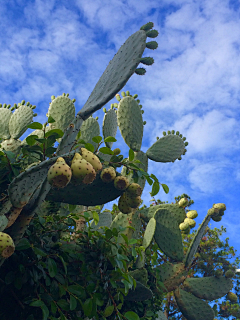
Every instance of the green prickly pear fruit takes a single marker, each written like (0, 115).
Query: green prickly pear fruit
(218, 273)
(108, 174)
(232, 297)
(59, 174)
(121, 183)
(184, 226)
(183, 202)
(91, 158)
(82, 171)
(229, 274)
(133, 202)
(217, 218)
(7, 246)
(134, 190)
(192, 214)
(190, 222)
(213, 211)
(123, 206)
(116, 151)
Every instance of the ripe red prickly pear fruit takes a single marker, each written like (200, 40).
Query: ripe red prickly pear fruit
(134, 190)
(123, 206)
(82, 171)
(59, 174)
(91, 158)
(121, 183)
(7, 246)
(108, 174)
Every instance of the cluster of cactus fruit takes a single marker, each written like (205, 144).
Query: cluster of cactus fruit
(80, 173)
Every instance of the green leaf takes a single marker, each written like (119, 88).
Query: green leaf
(165, 188)
(108, 311)
(155, 188)
(154, 177)
(109, 234)
(53, 307)
(97, 139)
(64, 264)
(72, 207)
(77, 290)
(87, 307)
(125, 238)
(37, 303)
(50, 151)
(106, 150)
(52, 267)
(31, 140)
(56, 132)
(63, 304)
(110, 139)
(23, 244)
(39, 252)
(95, 217)
(130, 315)
(131, 155)
(73, 303)
(40, 140)
(89, 147)
(50, 119)
(35, 125)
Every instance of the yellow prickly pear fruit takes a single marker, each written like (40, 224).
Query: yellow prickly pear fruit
(7, 246)
(190, 222)
(59, 174)
(77, 156)
(91, 158)
(221, 207)
(108, 174)
(82, 171)
(121, 183)
(183, 202)
(123, 206)
(184, 226)
(116, 151)
(192, 214)
(133, 202)
(134, 190)
(232, 297)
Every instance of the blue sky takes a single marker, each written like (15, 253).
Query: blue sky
(51, 47)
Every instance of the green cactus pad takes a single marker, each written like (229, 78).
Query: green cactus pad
(140, 293)
(12, 145)
(109, 127)
(161, 315)
(3, 222)
(191, 307)
(5, 115)
(167, 235)
(130, 122)
(172, 275)
(89, 129)
(141, 156)
(196, 240)
(149, 233)
(208, 288)
(141, 259)
(62, 110)
(105, 220)
(140, 275)
(166, 149)
(20, 120)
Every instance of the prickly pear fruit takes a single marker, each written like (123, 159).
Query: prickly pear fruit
(221, 207)
(218, 273)
(184, 226)
(116, 151)
(7, 246)
(229, 274)
(82, 171)
(232, 297)
(59, 174)
(134, 190)
(91, 158)
(121, 183)
(183, 202)
(133, 202)
(192, 214)
(108, 174)
(123, 206)
(217, 218)
(190, 222)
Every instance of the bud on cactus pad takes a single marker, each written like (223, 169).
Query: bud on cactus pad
(82, 170)
(192, 214)
(123, 206)
(183, 202)
(91, 158)
(232, 297)
(134, 190)
(229, 274)
(121, 183)
(7, 246)
(59, 174)
(108, 174)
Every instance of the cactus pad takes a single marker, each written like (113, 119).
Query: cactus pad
(149, 233)
(89, 129)
(109, 127)
(20, 120)
(172, 275)
(5, 115)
